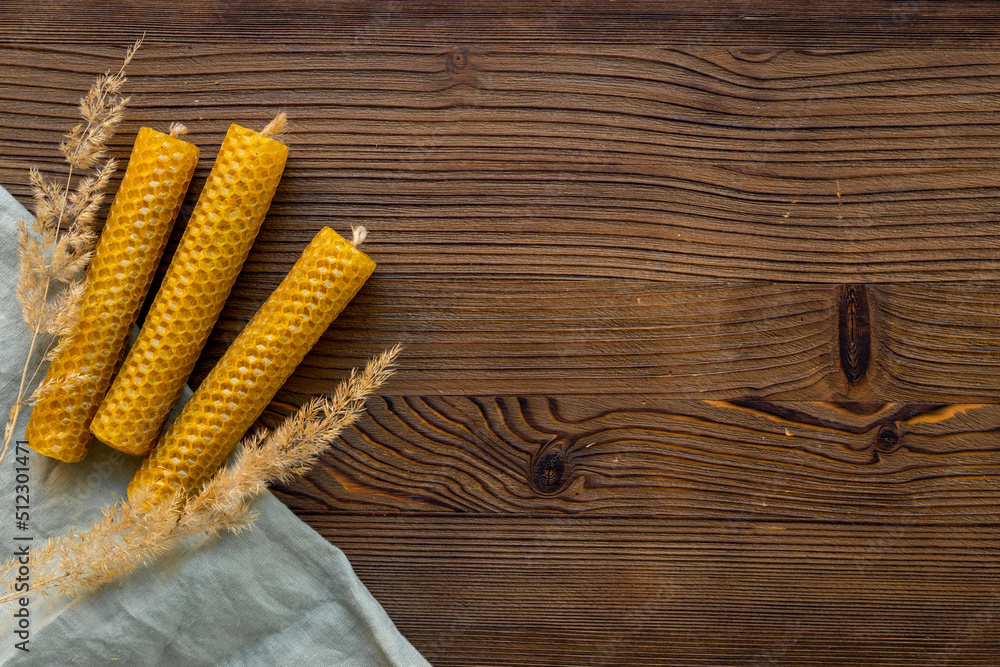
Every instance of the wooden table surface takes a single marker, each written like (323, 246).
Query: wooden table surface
(699, 301)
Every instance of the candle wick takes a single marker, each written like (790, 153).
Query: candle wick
(360, 234)
(276, 126)
(176, 129)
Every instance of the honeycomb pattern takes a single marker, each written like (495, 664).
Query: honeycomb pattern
(211, 253)
(324, 279)
(138, 225)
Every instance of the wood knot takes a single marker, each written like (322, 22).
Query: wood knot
(457, 60)
(549, 470)
(855, 332)
(887, 439)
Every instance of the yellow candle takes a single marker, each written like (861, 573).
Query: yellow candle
(324, 279)
(211, 253)
(132, 241)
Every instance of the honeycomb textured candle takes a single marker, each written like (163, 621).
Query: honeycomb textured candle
(211, 253)
(132, 241)
(324, 279)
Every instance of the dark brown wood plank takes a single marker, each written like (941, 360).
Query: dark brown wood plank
(562, 337)
(834, 24)
(598, 455)
(542, 590)
(571, 163)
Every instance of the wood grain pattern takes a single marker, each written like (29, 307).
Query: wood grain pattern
(596, 455)
(627, 162)
(545, 590)
(926, 343)
(699, 304)
(558, 337)
(940, 333)
(823, 23)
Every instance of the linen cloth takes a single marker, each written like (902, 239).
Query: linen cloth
(279, 594)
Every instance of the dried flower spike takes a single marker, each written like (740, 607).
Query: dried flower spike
(211, 253)
(102, 109)
(118, 278)
(325, 278)
(48, 286)
(291, 449)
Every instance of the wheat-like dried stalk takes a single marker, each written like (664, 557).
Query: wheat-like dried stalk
(289, 450)
(55, 248)
(118, 543)
(127, 537)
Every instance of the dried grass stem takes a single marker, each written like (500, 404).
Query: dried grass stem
(55, 248)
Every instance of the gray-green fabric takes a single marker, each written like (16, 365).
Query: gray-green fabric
(279, 594)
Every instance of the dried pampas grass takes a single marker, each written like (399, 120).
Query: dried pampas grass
(55, 248)
(291, 449)
(135, 532)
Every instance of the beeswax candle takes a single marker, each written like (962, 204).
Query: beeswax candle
(211, 253)
(324, 279)
(132, 241)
